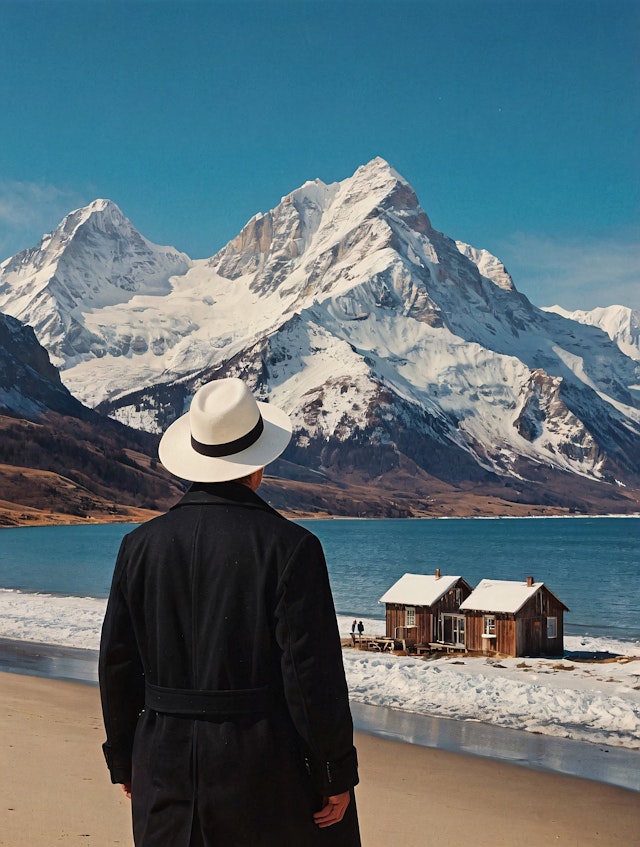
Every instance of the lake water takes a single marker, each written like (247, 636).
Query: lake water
(591, 564)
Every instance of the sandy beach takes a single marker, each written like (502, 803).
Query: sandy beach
(56, 790)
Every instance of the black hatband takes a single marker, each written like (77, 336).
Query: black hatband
(230, 447)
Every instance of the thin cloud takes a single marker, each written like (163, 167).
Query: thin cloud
(575, 274)
(29, 209)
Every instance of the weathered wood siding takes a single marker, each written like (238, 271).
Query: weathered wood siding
(523, 634)
(450, 602)
(532, 637)
(505, 634)
(473, 631)
(397, 623)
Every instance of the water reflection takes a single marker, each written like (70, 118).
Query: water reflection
(613, 765)
(49, 660)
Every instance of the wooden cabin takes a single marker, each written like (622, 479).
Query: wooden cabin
(423, 609)
(514, 619)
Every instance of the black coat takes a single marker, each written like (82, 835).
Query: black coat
(222, 594)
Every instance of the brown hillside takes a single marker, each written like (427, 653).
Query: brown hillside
(64, 470)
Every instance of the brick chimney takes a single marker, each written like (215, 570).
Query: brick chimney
(437, 573)
(529, 582)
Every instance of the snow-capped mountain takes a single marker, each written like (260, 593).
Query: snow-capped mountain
(395, 348)
(621, 324)
(94, 259)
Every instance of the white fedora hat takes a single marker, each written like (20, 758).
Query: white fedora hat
(226, 434)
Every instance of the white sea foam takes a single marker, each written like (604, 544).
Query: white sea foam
(590, 701)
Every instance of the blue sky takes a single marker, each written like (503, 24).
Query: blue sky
(516, 121)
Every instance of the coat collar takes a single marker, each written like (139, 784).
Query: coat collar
(221, 493)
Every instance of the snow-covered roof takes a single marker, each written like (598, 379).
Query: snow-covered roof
(419, 589)
(499, 595)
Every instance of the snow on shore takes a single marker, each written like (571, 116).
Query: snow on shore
(589, 701)
(51, 619)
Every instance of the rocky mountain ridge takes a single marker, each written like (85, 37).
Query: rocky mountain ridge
(621, 324)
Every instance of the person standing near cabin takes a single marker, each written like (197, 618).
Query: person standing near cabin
(353, 628)
(223, 691)
(360, 628)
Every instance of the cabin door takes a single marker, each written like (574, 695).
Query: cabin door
(458, 630)
(536, 647)
(451, 630)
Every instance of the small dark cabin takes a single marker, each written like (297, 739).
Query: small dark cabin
(514, 619)
(423, 609)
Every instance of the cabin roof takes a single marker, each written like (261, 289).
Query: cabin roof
(418, 589)
(499, 595)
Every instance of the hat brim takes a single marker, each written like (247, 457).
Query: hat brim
(179, 458)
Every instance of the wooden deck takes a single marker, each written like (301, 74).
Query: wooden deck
(379, 643)
(449, 648)
(384, 644)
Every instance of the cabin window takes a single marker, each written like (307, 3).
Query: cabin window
(489, 625)
(410, 616)
(552, 627)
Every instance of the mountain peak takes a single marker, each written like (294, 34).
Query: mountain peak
(377, 173)
(380, 185)
(378, 165)
(375, 179)
(103, 213)
(328, 220)
(101, 204)
(93, 259)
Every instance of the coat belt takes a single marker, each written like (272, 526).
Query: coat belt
(181, 701)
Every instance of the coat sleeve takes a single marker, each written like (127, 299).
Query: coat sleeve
(121, 676)
(314, 682)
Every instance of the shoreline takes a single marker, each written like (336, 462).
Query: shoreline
(56, 787)
(53, 519)
(605, 764)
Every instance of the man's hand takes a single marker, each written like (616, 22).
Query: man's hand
(333, 810)
(126, 787)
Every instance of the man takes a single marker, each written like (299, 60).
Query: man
(223, 690)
